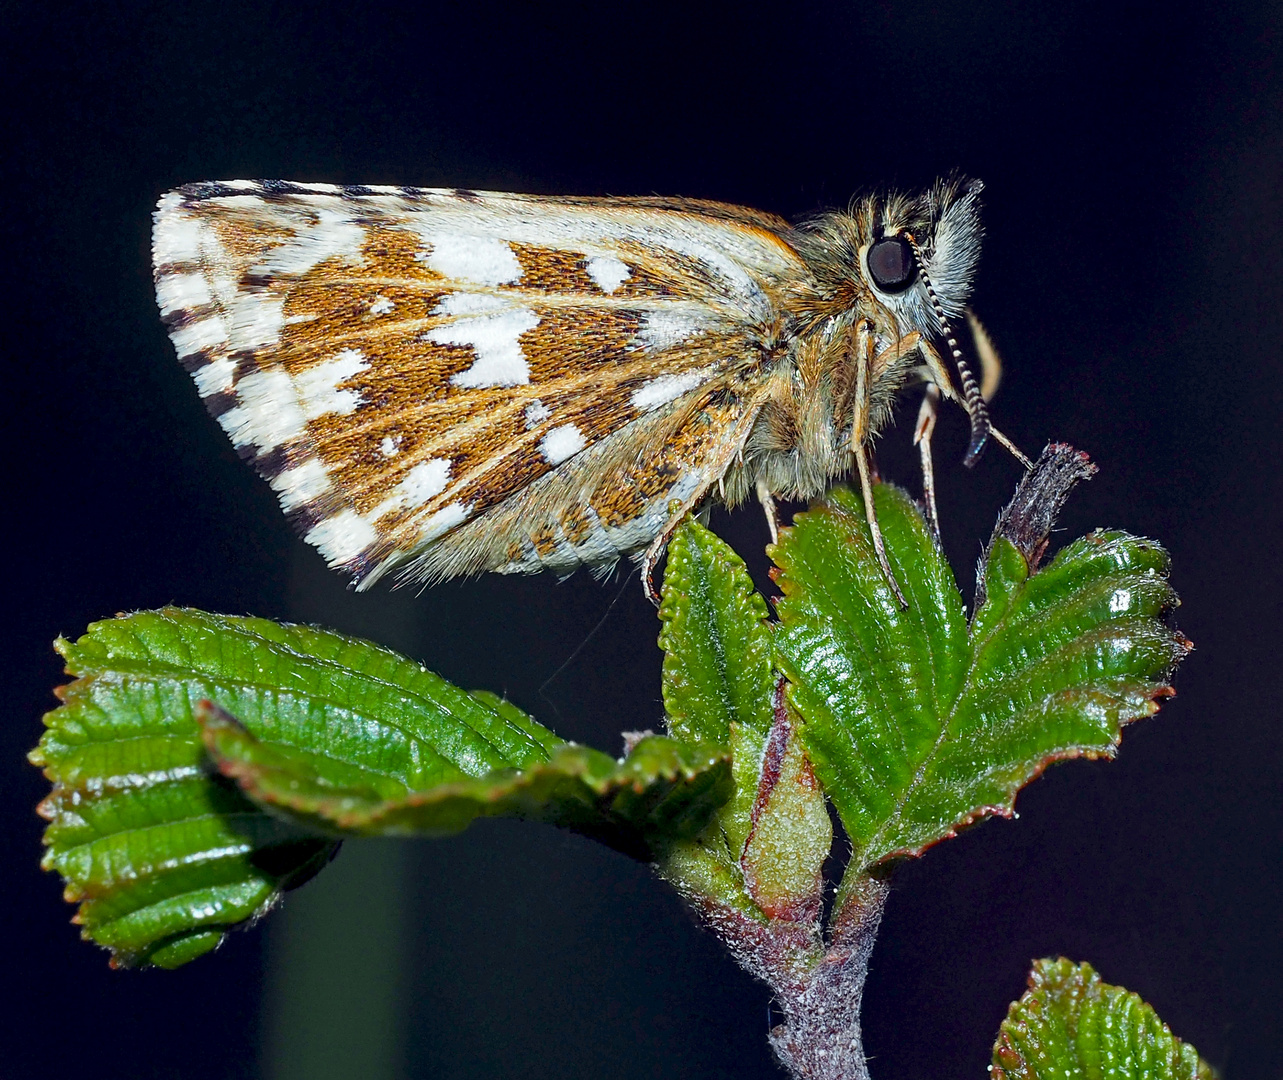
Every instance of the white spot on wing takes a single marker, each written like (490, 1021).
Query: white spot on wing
(215, 377)
(318, 386)
(561, 443)
(182, 292)
(667, 327)
(381, 305)
(737, 258)
(469, 303)
(666, 388)
(176, 237)
(272, 408)
(257, 318)
(500, 361)
(333, 235)
(267, 413)
(342, 537)
(424, 482)
(301, 485)
(390, 445)
(485, 260)
(199, 335)
(721, 259)
(607, 272)
(444, 520)
(536, 413)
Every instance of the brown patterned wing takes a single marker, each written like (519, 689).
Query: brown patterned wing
(452, 382)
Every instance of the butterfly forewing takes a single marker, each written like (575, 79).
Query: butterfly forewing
(472, 381)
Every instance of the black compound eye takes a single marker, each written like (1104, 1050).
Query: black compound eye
(892, 265)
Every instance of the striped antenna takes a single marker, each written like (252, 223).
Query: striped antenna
(974, 401)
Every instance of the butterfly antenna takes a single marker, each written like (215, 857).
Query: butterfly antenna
(972, 398)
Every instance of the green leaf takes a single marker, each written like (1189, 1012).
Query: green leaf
(917, 724)
(1071, 1026)
(162, 856)
(717, 651)
(717, 687)
(662, 791)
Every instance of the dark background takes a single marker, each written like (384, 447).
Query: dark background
(1131, 278)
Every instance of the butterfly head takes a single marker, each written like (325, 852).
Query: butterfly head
(914, 247)
(906, 263)
(918, 261)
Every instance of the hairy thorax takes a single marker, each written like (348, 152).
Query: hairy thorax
(803, 436)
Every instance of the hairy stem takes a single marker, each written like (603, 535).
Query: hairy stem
(820, 1037)
(818, 985)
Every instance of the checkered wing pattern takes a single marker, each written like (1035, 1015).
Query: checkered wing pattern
(445, 381)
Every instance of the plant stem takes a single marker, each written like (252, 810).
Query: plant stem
(820, 1037)
(818, 985)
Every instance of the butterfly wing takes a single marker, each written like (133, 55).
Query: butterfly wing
(460, 381)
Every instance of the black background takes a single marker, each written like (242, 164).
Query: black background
(1133, 156)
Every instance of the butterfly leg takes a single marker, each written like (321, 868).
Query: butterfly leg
(767, 500)
(990, 361)
(859, 447)
(922, 433)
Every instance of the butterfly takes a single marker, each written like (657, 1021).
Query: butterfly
(440, 382)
